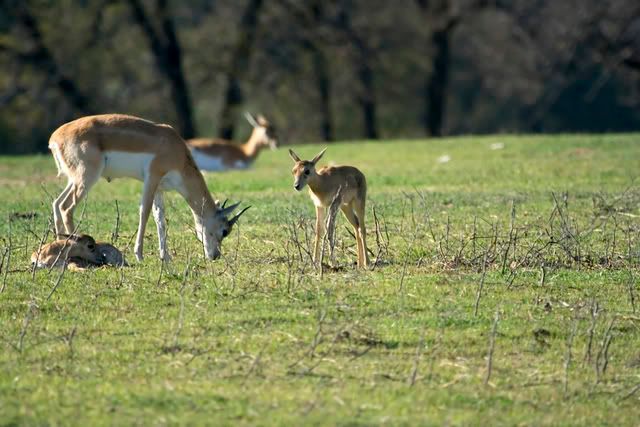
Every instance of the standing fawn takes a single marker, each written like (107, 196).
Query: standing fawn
(212, 154)
(67, 250)
(117, 145)
(324, 185)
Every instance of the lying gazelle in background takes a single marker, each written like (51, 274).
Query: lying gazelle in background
(220, 155)
(78, 251)
(324, 185)
(68, 249)
(116, 145)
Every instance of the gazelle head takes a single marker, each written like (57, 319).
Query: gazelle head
(216, 228)
(264, 133)
(304, 170)
(82, 246)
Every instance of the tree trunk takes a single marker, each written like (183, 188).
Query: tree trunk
(168, 56)
(238, 69)
(436, 84)
(368, 100)
(323, 83)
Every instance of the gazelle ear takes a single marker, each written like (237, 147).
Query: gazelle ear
(294, 156)
(318, 156)
(252, 121)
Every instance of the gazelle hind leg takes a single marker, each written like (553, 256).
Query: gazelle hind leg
(349, 213)
(360, 212)
(57, 214)
(82, 178)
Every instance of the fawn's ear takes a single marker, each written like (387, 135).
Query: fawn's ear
(318, 156)
(294, 156)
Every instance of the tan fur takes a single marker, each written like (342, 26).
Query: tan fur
(323, 187)
(59, 252)
(232, 154)
(111, 256)
(80, 147)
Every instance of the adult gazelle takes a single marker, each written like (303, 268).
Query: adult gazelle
(115, 146)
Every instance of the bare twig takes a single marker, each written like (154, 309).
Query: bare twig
(492, 343)
(416, 361)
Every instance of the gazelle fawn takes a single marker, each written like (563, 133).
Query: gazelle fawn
(117, 145)
(324, 184)
(67, 249)
(211, 154)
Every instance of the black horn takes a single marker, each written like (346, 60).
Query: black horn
(236, 216)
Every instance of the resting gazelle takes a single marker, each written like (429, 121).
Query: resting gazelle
(324, 184)
(117, 145)
(212, 154)
(68, 249)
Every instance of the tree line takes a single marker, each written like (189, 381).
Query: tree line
(322, 70)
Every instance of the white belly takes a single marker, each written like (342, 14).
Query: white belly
(122, 164)
(207, 163)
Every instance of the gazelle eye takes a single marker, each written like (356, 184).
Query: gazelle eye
(225, 233)
(306, 171)
(91, 247)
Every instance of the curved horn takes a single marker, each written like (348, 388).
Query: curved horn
(235, 218)
(252, 121)
(224, 203)
(224, 211)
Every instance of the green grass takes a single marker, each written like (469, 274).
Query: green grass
(260, 338)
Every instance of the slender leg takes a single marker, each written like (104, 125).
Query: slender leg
(57, 214)
(360, 210)
(353, 220)
(320, 229)
(148, 193)
(161, 225)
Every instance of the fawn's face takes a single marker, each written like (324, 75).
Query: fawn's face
(303, 170)
(84, 247)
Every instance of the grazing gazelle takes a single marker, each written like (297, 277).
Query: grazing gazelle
(324, 184)
(116, 145)
(221, 155)
(67, 250)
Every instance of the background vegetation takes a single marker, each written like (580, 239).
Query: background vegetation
(321, 69)
(505, 289)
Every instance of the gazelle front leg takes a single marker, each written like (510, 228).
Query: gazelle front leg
(161, 225)
(320, 229)
(148, 193)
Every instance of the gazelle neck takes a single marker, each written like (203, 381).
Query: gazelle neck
(196, 192)
(252, 147)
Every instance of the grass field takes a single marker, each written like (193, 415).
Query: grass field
(505, 293)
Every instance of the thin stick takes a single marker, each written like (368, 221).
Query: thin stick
(6, 268)
(492, 343)
(481, 284)
(567, 357)
(416, 361)
(45, 235)
(116, 229)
